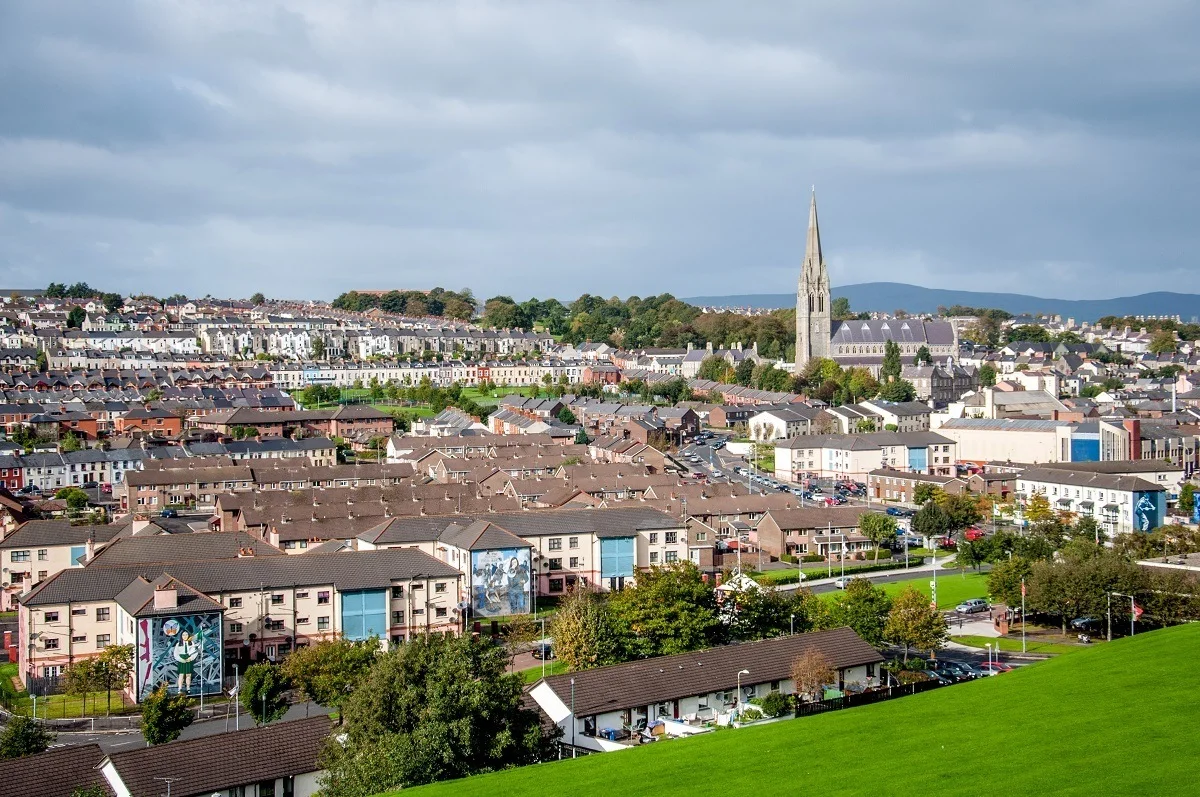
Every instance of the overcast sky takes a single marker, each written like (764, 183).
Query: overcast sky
(306, 148)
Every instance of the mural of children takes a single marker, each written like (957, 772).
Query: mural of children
(518, 586)
(186, 654)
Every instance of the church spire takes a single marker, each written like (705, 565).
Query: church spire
(812, 249)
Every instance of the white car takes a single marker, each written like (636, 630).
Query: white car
(717, 473)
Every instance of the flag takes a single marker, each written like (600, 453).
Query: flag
(1137, 612)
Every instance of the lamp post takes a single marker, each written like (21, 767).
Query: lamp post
(544, 647)
(739, 687)
(988, 645)
(792, 625)
(1022, 615)
(573, 718)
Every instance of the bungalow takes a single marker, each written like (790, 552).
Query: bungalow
(811, 530)
(607, 708)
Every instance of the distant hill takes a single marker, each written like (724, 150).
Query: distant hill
(889, 296)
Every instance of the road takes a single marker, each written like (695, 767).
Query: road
(129, 740)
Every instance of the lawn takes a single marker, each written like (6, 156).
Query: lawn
(1013, 645)
(1113, 719)
(952, 589)
(534, 674)
(492, 398)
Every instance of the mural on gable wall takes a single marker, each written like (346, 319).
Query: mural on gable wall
(500, 582)
(183, 651)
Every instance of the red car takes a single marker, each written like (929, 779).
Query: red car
(974, 534)
(994, 667)
(946, 543)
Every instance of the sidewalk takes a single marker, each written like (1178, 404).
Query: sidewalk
(912, 572)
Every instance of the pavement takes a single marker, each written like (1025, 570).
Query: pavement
(877, 577)
(116, 741)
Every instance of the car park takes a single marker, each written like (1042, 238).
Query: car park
(934, 675)
(960, 671)
(972, 606)
(168, 513)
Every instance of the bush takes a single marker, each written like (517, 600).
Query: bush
(775, 704)
(751, 714)
(813, 557)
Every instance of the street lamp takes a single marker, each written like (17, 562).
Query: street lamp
(792, 625)
(573, 718)
(739, 686)
(988, 645)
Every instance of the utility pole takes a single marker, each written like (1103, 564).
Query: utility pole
(168, 781)
(1022, 615)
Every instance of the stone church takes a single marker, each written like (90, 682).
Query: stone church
(855, 343)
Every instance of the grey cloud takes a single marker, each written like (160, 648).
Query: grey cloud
(307, 147)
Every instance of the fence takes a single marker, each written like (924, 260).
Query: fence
(863, 698)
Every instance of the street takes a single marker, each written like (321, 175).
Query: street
(127, 740)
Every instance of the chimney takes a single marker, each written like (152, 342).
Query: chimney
(246, 552)
(166, 596)
(90, 547)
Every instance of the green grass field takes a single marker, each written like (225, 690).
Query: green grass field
(1114, 719)
(1013, 645)
(952, 589)
(492, 398)
(534, 674)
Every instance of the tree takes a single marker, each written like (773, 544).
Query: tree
(891, 362)
(77, 499)
(164, 716)
(264, 692)
(1038, 510)
(713, 368)
(962, 509)
(566, 416)
(80, 677)
(23, 736)
(878, 528)
(839, 308)
(914, 622)
(931, 521)
(318, 347)
(581, 438)
(435, 708)
(923, 356)
(1004, 582)
(987, 375)
(761, 612)
(114, 665)
(1187, 498)
(258, 299)
(1028, 333)
(42, 363)
(864, 608)
(1163, 342)
(329, 671)
(811, 672)
(75, 318)
(583, 632)
(744, 372)
(113, 302)
(924, 492)
(671, 610)
(897, 391)
(68, 443)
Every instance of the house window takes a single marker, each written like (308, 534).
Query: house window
(572, 542)
(322, 623)
(556, 585)
(398, 617)
(42, 575)
(103, 641)
(397, 593)
(276, 598)
(322, 597)
(18, 556)
(672, 537)
(50, 644)
(301, 595)
(266, 789)
(701, 536)
(102, 614)
(235, 603)
(235, 628)
(79, 637)
(654, 557)
(439, 587)
(418, 612)
(439, 611)
(51, 617)
(555, 544)
(78, 612)
(43, 554)
(672, 556)
(556, 564)
(574, 562)
(654, 538)
(274, 625)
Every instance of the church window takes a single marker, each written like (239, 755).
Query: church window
(820, 304)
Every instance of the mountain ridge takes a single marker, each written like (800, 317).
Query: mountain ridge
(890, 296)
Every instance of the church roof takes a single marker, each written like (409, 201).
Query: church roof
(901, 330)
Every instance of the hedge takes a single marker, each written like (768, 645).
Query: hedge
(775, 577)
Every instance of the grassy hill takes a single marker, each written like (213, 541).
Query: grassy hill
(1119, 719)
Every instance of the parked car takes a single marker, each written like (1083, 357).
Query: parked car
(168, 513)
(964, 672)
(994, 667)
(844, 581)
(934, 675)
(718, 445)
(1086, 623)
(717, 474)
(974, 534)
(90, 485)
(952, 674)
(895, 511)
(972, 606)
(106, 487)
(946, 543)
(543, 649)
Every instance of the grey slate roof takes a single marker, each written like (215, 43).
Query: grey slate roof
(656, 680)
(138, 598)
(54, 773)
(47, 533)
(180, 548)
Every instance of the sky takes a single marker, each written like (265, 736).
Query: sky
(305, 148)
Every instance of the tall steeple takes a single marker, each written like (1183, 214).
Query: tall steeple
(813, 319)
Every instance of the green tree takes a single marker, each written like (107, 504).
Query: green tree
(258, 299)
(713, 368)
(1004, 582)
(329, 671)
(80, 679)
(839, 308)
(925, 492)
(68, 443)
(581, 438)
(435, 708)
(23, 736)
(1163, 342)
(566, 416)
(77, 499)
(987, 375)
(1038, 510)
(744, 373)
(42, 364)
(891, 362)
(164, 716)
(931, 521)
(264, 692)
(760, 613)
(318, 347)
(913, 622)
(923, 356)
(672, 609)
(878, 528)
(1187, 498)
(864, 608)
(75, 318)
(113, 302)
(1029, 333)
(583, 632)
(962, 509)
(114, 665)
(898, 390)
